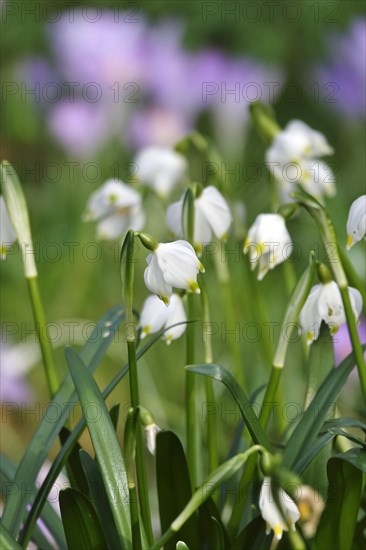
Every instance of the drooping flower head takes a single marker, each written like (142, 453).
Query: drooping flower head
(270, 512)
(212, 215)
(324, 303)
(293, 158)
(117, 208)
(356, 223)
(172, 265)
(155, 315)
(268, 243)
(160, 168)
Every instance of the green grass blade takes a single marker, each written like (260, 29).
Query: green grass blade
(100, 500)
(81, 524)
(250, 418)
(174, 488)
(64, 453)
(7, 542)
(47, 432)
(312, 421)
(49, 516)
(105, 444)
(338, 521)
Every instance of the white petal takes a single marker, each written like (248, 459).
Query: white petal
(356, 222)
(154, 315)
(112, 227)
(174, 217)
(160, 168)
(317, 141)
(216, 211)
(179, 264)
(317, 178)
(176, 314)
(330, 305)
(356, 301)
(154, 279)
(310, 318)
(7, 231)
(111, 196)
(202, 228)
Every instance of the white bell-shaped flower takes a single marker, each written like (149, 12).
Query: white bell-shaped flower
(155, 315)
(324, 303)
(117, 208)
(356, 222)
(172, 265)
(211, 216)
(7, 231)
(270, 512)
(268, 243)
(293, 157)
(160, 168)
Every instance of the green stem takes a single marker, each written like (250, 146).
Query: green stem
(356, 345)
(296, 540)
(223, 276)
(41, 328)
(191, 401)
(213, 459)
(270, 395)
(352, 275)
(129, 453)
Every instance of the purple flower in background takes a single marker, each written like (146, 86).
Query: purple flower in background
(16, 361)
(156, 125)
(37, 77)
(346, 70)
(342, 343)
(80, 127)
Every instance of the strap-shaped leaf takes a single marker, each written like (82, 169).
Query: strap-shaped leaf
(174, 488)
(47, 432)
(306, 431)
(250, 418)
(105, 444)
(81, 523)
(338, 521)
(100, 500)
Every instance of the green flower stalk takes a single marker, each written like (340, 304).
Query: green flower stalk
(127, 277)
(329, 238)
(18, 213)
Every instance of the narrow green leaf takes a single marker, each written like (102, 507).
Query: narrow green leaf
(47, 432)
(64, 453)
(105, 444)
(252, 537)
(114, 414)
(338, 521)
(181, 545)
(356, 457)
(251, 420)
(7, 542)
(208, 487)
(174, 488)
(211, 526)
(81, 524)
(48, 516)
(75, 470)
(100, 500)
(310, 424)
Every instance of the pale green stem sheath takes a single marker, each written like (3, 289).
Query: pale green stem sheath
(127, 276)
(223, 276)
(326, 228)
(213, 459)
(41, 328)
(212, 482)
(192, 423)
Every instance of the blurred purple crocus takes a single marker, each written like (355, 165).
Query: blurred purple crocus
(346, 70)
(342, 343)
(16, 361)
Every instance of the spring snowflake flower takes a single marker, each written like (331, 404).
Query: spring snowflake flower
(160, 168)
(293, 157)
(270, 512)
(212, 215)
(117, 208)
(324, 303)
(268, 243)
(155, 315)
(7, 231)
(172, 265)
(356, 223)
